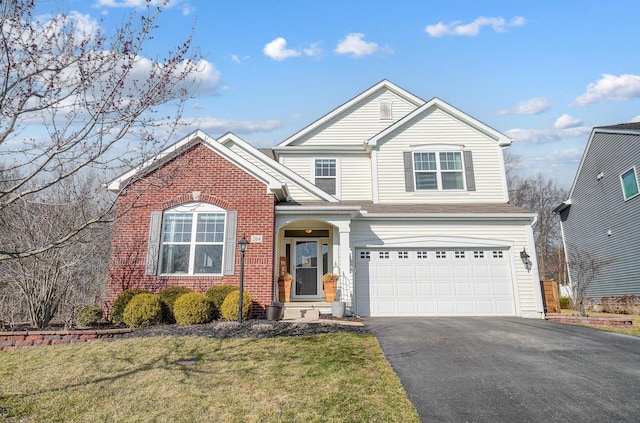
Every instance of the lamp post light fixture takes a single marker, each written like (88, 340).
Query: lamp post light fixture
(243, 244)
(525, 259)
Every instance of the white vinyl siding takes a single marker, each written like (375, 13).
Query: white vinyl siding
(439, 128)
(360, 123)
(442, 236)
(354, 174)
(296, 191)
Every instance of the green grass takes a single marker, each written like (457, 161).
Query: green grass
(636, 321)
(324, 378)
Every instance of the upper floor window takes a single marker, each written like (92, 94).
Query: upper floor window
(385, 110)
(438, 170)
(629, 182)
(325, 171)
(193, 239)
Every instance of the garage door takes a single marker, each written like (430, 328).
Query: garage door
(413, 282)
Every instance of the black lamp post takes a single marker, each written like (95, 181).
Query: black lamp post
(243, 244)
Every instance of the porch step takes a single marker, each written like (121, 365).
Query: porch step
(305, 310)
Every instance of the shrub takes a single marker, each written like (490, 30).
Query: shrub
(229, 308)
(117, 310)
(193, 309)
(565, 303)
(90, 316)
(217, 295)
(143, 310)
(168, 298)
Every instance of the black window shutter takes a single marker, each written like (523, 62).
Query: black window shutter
(155, 229)
(408, 171)
(230, 243)
(468, 171)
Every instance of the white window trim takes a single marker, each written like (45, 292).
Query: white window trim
(194, 208)
(437, 149)
(635, 174)
(338, 193)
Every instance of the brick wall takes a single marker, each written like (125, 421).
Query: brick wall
(217, 181)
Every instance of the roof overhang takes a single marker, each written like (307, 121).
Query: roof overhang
(499, 137)
(273, 185)
(563, 206)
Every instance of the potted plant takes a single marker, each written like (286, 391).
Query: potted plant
(330, 286)
(284, 287)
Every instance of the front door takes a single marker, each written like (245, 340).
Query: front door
(306, 270)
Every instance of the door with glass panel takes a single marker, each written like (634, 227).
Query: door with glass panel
(306, 270)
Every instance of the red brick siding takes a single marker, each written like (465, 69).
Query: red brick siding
(199, 169)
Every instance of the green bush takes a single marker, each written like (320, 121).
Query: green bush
(117, 310)
(565, 303)
(193, 309)
(217, 294)
(168, 298)
(143, 310)
(90, 316)
(229, 308)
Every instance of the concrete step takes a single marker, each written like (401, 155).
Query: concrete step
(306, 310)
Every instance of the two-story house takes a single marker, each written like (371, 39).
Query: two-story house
(405, 199)
(600, 219)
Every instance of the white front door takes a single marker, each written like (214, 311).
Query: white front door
(308, 264)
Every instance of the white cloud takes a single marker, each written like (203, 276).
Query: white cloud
(314, 50)
(635, 119)
(539, 136)
(137, 4)
(236, 126)
(472, 29)
(277, 50)
(532, 106)
(354, 44)
(610, 87)
(567, 121)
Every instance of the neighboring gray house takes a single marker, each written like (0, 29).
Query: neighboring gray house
(602, 214)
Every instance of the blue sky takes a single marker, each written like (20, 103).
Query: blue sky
(543, 72)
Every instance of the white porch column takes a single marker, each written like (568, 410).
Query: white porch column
(346, 275)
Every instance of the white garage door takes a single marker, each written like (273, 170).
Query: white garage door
(412, 282)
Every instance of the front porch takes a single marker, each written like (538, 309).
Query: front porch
(309, 244)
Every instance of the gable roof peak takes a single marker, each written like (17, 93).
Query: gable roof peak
(384, 84)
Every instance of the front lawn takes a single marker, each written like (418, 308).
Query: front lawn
(334, 377)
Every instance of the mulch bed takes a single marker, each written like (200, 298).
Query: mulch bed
(247, 329)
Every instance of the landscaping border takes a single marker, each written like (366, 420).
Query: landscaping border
(20, 339)
(603, 321)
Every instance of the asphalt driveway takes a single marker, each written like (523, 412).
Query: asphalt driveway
(478, 369)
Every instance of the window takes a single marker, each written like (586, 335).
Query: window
(441, 254)
(383, 255)
(326, 175)
(438, 170)
(497, 254)
(629, 183)
(365, 255)
(422, 254)
(193, 239)
(459, 254)
(403, 254)
(478, 254)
